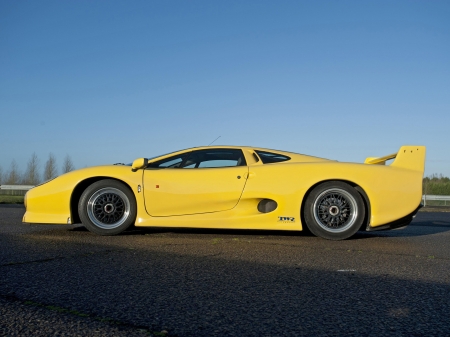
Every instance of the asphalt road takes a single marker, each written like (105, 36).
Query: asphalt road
(65, 281)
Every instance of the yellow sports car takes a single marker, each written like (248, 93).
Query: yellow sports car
(236, 187)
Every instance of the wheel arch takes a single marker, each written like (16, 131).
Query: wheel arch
(78, 191)
(358, 188)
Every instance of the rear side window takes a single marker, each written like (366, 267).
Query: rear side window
(270, 157)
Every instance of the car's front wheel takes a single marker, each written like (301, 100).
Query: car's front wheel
(107, 207)
(334, 210)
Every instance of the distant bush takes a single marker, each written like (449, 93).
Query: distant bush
(436, 185)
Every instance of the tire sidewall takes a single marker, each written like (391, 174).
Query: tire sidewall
(91, 190)
(318, 230)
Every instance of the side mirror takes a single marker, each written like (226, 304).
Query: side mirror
(138, 164)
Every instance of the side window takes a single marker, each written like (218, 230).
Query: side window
(215, 158)
(202, 159)
(269, 157)
(171, 162)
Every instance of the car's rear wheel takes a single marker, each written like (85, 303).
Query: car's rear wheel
(334, 210)
(107, 207)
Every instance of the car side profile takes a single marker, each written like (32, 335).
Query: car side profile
(238, 187)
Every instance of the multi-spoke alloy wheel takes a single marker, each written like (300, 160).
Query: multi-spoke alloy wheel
(334, 210)
(107, 207)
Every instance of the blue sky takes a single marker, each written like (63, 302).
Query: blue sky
(110, 81)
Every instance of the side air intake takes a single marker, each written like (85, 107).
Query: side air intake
(267, 205)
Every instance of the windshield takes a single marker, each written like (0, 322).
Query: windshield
(162, 155)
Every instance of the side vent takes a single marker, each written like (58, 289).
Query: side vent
(267, 205)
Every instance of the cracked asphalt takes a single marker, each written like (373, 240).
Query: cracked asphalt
(64, 281)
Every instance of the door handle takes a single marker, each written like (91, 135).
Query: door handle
(251, 175)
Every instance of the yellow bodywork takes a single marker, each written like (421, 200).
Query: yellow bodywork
(216, 198)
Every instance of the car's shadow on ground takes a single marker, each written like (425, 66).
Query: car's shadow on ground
(180, 230)
(416, 228)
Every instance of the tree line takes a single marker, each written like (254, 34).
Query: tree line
(436, 184)
(33, 174)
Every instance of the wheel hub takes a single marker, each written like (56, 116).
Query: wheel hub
(334, 210)
(109, 208)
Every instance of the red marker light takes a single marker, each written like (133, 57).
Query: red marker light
(157, 186)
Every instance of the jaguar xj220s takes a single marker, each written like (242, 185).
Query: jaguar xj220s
(239, 188)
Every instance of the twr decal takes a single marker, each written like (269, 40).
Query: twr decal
(286, 219)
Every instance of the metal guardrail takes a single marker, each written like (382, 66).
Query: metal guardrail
(14, 189)
(429, 197)
(22, 189)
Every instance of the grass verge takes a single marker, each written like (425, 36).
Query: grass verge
(18, 199)
(11, 199)
(435, 209)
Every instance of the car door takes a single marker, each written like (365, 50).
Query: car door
(200, 181)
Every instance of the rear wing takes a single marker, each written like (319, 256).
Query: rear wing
(408, 157)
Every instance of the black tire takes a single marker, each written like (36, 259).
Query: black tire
(107, 207)
(334, 210)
